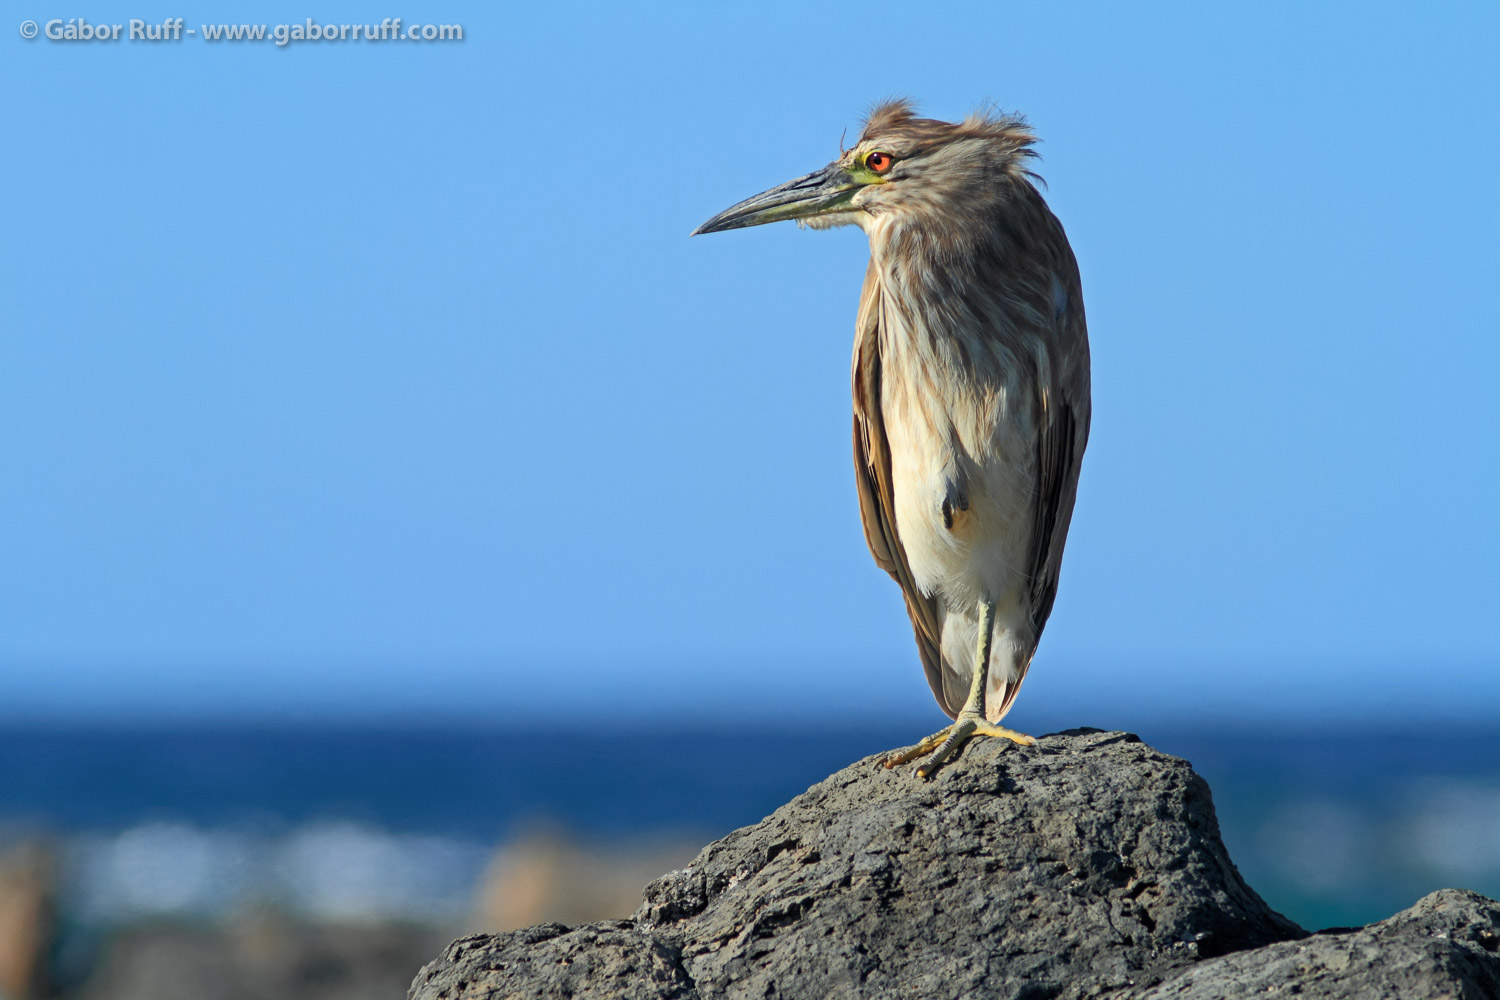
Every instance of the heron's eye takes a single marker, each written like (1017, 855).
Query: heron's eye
(879, 162)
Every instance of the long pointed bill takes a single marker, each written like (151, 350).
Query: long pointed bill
(819, 193)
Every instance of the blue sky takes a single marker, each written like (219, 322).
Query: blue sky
(383, 377)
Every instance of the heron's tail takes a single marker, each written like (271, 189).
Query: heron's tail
(1010, 656)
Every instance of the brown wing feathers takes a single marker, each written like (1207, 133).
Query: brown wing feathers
(877, 504)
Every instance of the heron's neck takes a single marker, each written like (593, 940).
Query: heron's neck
(984, 273)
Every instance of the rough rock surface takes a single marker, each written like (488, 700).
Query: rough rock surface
(1088, 865)
(1445, 946)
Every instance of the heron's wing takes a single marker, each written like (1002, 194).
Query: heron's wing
(1062, 414)
(877, 501)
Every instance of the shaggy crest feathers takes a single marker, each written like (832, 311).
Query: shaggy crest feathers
(897, 119)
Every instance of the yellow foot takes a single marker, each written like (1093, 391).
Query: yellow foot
(945, 743)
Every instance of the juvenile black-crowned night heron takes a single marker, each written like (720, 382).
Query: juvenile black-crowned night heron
(971, 391)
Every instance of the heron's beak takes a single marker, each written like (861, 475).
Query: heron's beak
(821, 192)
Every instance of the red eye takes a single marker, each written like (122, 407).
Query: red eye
(879, 162)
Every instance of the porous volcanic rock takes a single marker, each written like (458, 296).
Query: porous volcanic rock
(1445, 946)
(1086, 864)
(1089, 865)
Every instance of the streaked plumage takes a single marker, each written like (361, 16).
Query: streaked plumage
(970, 381)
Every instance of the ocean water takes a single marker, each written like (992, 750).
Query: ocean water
(1332, 827)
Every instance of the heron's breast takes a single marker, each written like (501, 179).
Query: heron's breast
(962, 488)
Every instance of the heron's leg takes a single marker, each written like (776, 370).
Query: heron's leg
(971, 722)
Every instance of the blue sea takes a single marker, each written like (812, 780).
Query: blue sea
(1332, 826)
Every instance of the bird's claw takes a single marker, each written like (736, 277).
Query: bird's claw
(943, 744)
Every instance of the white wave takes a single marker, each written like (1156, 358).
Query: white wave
(322, 870)
(1453, 828)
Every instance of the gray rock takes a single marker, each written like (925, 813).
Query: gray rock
(1086, 864)
(610, 958)
(1089, 865)
(1445, 946)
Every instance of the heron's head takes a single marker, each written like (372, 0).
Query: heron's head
(903, 169)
